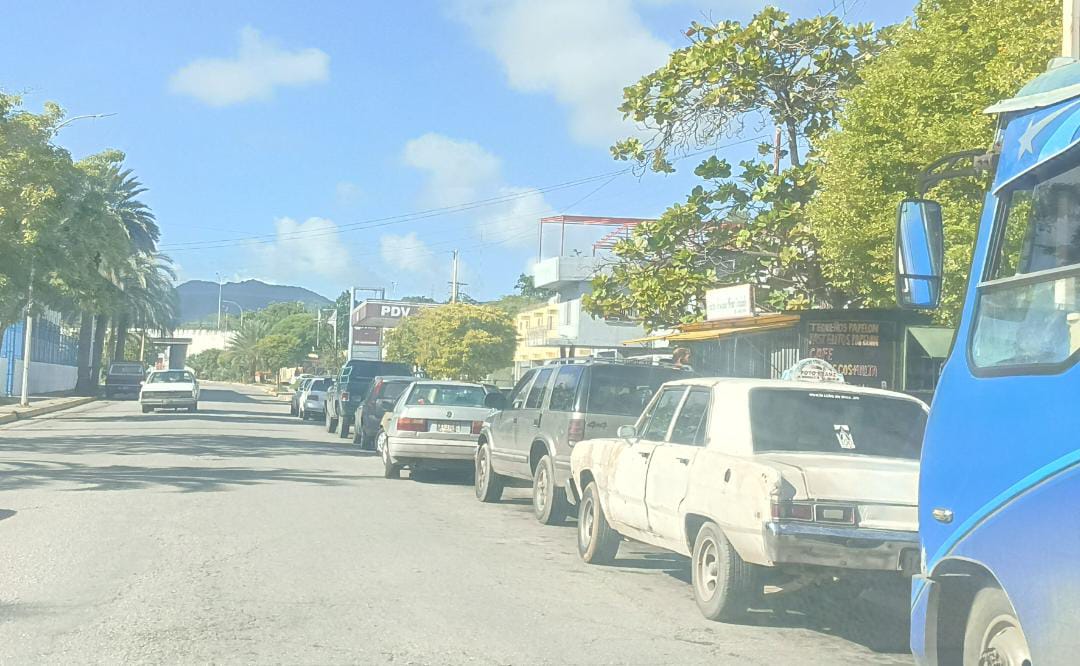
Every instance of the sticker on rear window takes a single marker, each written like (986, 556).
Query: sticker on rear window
(843, 435)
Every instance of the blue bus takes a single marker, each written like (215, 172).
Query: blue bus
(999, 495)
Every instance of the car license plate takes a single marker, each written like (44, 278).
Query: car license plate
(452, 428)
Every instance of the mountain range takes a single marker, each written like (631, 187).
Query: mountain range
(199, 298)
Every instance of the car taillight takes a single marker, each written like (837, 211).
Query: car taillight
(792, 511)
(576, 431)
(345, 396)
(412, 425)
(832, 513)
(477, 426)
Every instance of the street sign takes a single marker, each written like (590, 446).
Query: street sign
(729, 302)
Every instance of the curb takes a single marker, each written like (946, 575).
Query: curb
(30, 412)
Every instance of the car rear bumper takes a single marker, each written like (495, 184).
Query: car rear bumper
(404, 450)
(122, 388)
(168, 402)
(842, 547)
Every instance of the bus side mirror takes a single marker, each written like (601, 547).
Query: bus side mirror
(920, 252)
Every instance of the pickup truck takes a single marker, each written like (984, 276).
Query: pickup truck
(352, 386)
(124, 377)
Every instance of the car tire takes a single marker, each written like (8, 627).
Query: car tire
(597, 540)
(358, 431)
(192, 410)
(549, 500)
(343, 428)
(993, 630)
(147, 410)
(390, 469)
(331, 423)
(293, 411)
(724, 584)
(487, 483)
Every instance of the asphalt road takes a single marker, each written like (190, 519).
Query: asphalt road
(238, 534)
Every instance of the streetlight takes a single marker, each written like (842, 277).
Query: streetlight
(83, 117)
(238, 306)
(218, 300)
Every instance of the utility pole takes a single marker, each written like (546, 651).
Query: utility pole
(453, 279)
(1070, 29)
(27, 340)
(218, 300)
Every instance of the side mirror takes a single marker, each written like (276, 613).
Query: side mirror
(627, 431)
(496, 401)
(385, 404)
(920, 251)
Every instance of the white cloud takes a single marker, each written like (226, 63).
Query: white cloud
(460, 171)
(347, 193)
(408, 253)
(303, 250)
(582, 53)
(258, 68)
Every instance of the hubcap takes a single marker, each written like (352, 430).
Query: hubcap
(541, 489)
(708, 569)
(482, 468)
(585, 528)
(1004, 644)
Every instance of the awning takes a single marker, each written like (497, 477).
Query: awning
(714, 330)
(935, 340)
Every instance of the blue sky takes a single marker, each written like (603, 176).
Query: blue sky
(296, 142)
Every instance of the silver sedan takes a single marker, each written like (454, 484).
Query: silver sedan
(432, 422)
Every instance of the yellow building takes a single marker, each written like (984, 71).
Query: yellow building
(538, 340)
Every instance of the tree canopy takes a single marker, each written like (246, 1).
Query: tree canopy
(456, 341)
(920, 100)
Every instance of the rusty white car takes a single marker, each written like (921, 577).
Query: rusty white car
(760, 482)
(433, 423)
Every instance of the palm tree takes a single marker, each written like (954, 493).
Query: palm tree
(242, 347)
(149, 299)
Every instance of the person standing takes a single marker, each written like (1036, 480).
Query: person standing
(681, 358)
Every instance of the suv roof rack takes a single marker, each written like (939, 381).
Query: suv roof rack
(617, 361)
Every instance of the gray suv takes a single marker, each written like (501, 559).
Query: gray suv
(549, 410)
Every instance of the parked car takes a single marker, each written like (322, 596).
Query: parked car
(170, 389)
(124, 377)
(294, 402)
(434, 423)
(367, 419)
(313, 398)
(759, 482)
(551, 409)
(352, 386)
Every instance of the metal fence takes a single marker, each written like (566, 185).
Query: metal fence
(761, 355)
(49, 345)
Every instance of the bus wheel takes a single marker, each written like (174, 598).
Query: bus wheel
(993, 634)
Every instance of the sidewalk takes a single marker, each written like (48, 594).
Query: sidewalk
(46, 404)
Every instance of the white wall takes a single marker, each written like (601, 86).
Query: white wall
(44, 377)
(201, 340)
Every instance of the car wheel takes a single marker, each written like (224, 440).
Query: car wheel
(993, 634)
(302, 414)
(487, 483)
(390, 470)
(597, 541)
(343, 427)
(292, 410)
(723, 583)
(331, 423)
(147, 410)
(194, 409)
(549, 501)
(358, 432)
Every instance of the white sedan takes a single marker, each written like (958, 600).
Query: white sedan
(170, 389)
(432, 422)
(759, 482)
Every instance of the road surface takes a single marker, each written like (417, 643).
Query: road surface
(239, 534)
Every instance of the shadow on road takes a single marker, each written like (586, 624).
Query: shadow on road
(6, 513)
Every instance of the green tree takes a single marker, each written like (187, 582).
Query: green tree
(243, 347)
(276, 351)
(300, 326)
(458, 341)
(751, 227)
(921, 100)
(210, 364)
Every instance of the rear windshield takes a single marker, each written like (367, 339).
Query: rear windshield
(376, 368)
(320, 385)
(392, 390)
(447, 395)
(172, 377)
(828, 422)
(125, 369)
(625, 390)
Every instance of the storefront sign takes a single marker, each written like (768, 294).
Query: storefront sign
(729, 302)
(862, 351)
(383, 314)
(366, 335)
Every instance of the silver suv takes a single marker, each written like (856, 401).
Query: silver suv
(552, 408)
